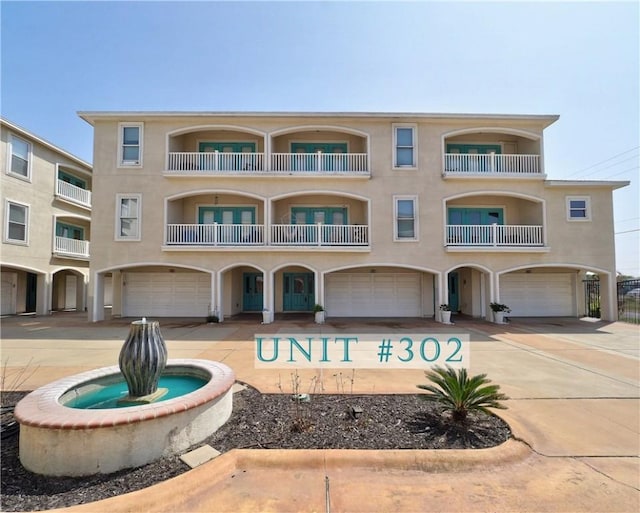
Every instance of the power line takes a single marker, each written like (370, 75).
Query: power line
(628, 231)
(611, 165)
(602, 161)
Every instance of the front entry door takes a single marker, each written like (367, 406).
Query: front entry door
(32, 291)
(298, 292)
(454, 292)
(252, 292)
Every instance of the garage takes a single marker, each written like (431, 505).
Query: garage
(373, 295)
(538, 294)
(166, 294)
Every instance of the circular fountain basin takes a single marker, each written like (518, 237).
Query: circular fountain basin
(59, 440)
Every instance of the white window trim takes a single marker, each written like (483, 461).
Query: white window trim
(5, 237)
(121, 162)
(119, 198)
(395, 127)
(10, 158)
(587, 204)
(415, 237)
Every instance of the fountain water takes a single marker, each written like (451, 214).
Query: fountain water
(84, 424)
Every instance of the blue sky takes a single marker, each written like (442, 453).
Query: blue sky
(576, 59)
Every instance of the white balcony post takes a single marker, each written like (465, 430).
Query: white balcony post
(494, 233)
(319, 233)
(216, 161)
(492, 162)
(215, 234)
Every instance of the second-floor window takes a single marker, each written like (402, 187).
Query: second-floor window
(404, 146)
(20, 164)
(17, 226)
(578, 208)
(130, 145)
(406, 219)
(128, 217)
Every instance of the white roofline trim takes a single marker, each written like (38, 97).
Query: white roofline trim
(44, 142)
(587, 183)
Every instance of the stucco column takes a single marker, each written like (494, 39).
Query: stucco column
(213, 298)
(217, 285)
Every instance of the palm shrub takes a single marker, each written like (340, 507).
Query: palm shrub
(460, 394)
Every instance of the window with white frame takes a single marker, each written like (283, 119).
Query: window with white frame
(130, 152)
(20, 155)
(404, 146)
(128, 213)
(17, 223)
(406, 218)
(578, 208)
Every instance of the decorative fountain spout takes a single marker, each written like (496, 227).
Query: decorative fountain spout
(84, 424)
(142, 359)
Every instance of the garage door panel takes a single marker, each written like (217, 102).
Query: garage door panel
(538, 294)
(167, 294)
(373, 295)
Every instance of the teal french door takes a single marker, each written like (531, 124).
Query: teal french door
(252, 288)
(453, 285)
(225, 163)
(473, 217)
(315, 215)
(306, 162)
(298, 292)
(73, 180)
(475, 149)
(69, 231)
(483, 216)
(226, 215)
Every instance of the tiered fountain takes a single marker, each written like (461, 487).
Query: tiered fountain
(115, 417)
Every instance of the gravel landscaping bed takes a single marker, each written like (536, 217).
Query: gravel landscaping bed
(267, 421)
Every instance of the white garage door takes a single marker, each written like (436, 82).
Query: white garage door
(538, 294)
(167, 294)
(373, 295)
(8, 287)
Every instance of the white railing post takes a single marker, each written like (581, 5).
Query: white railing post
(215, 234)
(494, 233)
(319, 232)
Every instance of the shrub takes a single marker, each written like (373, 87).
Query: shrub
(498, 307)
(445, 307)
(459, 394)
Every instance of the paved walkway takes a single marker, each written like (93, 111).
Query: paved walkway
(574, 410)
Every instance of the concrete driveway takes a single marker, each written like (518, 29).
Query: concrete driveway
(574, 410)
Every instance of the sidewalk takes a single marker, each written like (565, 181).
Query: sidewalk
(574, 411)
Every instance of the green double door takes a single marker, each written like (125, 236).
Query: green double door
(480, 164)
(309, 160)
(471, 217)
(226, 162)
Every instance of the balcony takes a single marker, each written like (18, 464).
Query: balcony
(460, 164)
(71, 248)
(288, 236)
(494, 237)
(73, 193)
(319, 163)
(321, 235)
(214, 163)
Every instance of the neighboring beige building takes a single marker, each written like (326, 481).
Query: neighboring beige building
(46, 224)
(368, 214)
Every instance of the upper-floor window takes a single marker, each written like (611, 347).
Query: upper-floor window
(404, 145)
(17, 222)
(128, 213)
(406, 219)
(130, 145)
(578, 208)
(20, 155)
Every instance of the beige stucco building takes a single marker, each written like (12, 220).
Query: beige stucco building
(46, 224)
(367, 214)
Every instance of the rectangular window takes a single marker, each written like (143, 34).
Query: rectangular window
(578, 208)
(128, 217)
(131, 145)
(17, 227)
(20, 155)
(404, 144)
(406, 219)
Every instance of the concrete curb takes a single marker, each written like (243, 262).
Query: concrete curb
(426, 460)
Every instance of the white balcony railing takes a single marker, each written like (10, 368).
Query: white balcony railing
(73, 193)
(71, 247)
(327, 163)
(215, 234)
(493, 235)
(492, 163)
(319, 235)
(215, 162)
